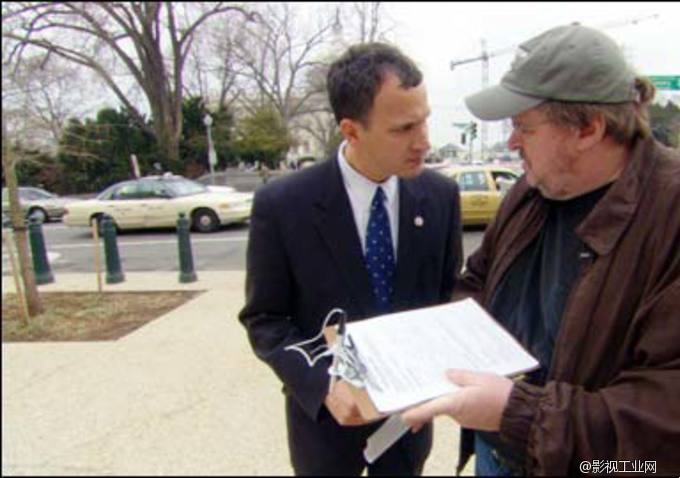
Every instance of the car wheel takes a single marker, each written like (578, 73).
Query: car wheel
(38, 213)
(205, 220)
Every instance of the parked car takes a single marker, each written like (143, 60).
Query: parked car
(38, 203)
(481, 190)
(156, 201)
(221, 189)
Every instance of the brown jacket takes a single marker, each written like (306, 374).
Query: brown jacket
(613, 390)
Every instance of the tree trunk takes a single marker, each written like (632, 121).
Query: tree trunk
(168, 143)
(167, 131)
(33, 301)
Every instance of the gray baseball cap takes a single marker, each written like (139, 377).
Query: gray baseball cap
(566, 63)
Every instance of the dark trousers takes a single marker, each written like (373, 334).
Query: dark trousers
(325, 448)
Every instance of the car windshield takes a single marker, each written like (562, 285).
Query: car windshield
(185, 187)
(35, 194)
(29, 194)
(106, 193)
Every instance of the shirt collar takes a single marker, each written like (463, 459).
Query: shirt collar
(362, 186)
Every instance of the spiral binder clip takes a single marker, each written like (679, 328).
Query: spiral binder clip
(345, 364)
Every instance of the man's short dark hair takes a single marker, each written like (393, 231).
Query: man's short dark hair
(354, 79)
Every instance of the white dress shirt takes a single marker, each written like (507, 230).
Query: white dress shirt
(361, 191)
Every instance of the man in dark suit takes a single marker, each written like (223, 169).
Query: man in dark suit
(325, 237)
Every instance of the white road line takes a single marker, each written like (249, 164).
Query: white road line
(150, 243)
(51, 257)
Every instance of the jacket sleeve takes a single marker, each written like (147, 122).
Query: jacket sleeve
(268, 312)
(453, 258)
(474, 282)
(473, 279)
(635, 417)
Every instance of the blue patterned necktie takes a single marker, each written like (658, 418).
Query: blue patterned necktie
(380, 253)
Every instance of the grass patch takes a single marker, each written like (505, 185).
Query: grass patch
(88, 316)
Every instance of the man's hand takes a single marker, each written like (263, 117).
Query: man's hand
(342, 405)
(478, 404)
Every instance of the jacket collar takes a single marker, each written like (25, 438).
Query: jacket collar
(335, 223)
(604, 226)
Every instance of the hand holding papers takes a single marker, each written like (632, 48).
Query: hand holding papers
(478, 404)
(406, 354)
(399, 360)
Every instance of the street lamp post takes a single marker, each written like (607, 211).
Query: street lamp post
(212, 156)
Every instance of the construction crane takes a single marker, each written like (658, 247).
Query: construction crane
(486, 55)
(484, 58)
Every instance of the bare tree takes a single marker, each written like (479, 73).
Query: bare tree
(10, 158)
(274, 56)
(43, 98)
(357, 22)
(135, 34)
(364, 22)
(228, 70)
(323, 129)
(369, 19)
(319, 123)
(212, 69)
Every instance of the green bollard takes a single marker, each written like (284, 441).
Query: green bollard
(186, 260)
(114, 273)
(41, 266)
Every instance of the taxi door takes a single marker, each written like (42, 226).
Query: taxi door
(479, 200)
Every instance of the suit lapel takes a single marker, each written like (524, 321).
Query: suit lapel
(411, 228)
(335, 222)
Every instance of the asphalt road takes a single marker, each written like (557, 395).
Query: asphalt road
(72, 250)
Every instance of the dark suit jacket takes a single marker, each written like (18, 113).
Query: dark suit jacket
(304, 258)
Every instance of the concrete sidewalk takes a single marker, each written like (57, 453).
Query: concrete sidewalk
(183, 395)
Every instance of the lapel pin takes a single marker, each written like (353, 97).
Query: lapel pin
(418, 221)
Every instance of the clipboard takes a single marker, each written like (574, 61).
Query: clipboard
(406, 353)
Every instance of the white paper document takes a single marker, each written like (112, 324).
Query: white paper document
(406, 354)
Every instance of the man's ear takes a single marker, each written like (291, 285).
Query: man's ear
(593, 133)
(350, 130)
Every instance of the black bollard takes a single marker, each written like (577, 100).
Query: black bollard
(114, 272)
(41, 266)
(186, 259)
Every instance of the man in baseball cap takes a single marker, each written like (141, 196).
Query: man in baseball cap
(572, 63)
(582, 267)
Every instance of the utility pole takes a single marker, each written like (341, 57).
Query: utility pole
(469, 133)
(473, 135)
(485, 81)
(484, 58)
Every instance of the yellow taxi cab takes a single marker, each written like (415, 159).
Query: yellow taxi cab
(482, 188)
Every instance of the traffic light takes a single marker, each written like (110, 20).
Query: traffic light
(473, 130)
(462, 138)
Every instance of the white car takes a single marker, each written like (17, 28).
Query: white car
(221, 189)
(157, 201)
(38, 203)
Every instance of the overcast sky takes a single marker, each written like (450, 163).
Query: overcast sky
(434, 34)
